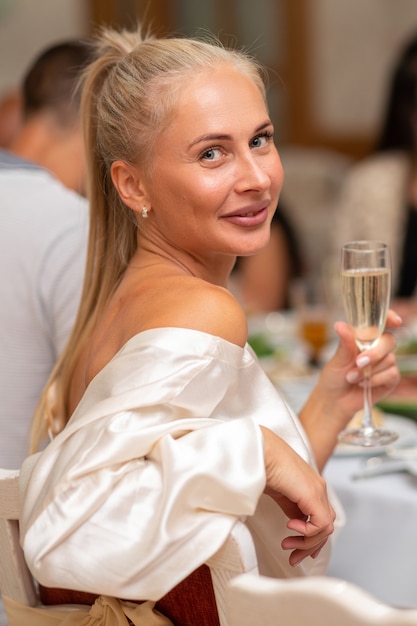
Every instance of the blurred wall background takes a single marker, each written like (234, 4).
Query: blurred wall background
(26, 26)
(329, 59)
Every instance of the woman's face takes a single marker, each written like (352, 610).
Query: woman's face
(216, 174)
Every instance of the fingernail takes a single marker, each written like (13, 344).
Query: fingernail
(352, 377)
(363, 361)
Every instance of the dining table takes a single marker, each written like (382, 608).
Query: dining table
(376, 548)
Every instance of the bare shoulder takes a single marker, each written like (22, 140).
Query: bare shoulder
(199, 305)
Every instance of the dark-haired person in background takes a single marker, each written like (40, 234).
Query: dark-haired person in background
(379, 196)
(262, 281)
(43, 238)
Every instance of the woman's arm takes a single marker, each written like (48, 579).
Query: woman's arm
(301, 493)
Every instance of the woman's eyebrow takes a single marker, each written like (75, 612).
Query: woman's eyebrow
(210, 137)
(226, 137)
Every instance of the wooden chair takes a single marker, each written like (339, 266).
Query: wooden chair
(236, 556)
(312, 601)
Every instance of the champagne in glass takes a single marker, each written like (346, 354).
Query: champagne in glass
(366, 287)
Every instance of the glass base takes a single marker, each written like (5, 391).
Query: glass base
(368, 436)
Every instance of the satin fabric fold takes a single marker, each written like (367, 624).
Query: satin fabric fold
(104, 612)
(160, 459)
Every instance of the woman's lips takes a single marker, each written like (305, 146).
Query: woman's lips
(249, 218)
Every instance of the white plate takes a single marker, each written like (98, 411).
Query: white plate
(406, 429)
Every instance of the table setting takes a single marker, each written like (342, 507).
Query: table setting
(377, 487)
(403, 401)
(373, 469)
(377, 547)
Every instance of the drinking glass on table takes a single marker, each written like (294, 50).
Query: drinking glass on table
(308, 300)
(366, 287)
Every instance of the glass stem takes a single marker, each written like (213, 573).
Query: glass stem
(367, 421)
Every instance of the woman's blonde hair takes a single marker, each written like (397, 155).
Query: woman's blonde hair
(129, 91)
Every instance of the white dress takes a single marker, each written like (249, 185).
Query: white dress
(159, 460)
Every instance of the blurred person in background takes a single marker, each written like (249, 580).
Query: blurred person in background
(261, 282)
(378, 199)
(43, 238)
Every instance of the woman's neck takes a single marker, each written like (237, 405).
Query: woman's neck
(215, 270)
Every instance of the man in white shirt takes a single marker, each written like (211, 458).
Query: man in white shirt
(43, 237)
(43, 240)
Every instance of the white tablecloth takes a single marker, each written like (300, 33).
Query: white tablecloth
(377, 549)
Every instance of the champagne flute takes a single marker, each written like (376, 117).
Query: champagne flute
(366, 286)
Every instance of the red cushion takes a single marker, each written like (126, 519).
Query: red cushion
(190, 603)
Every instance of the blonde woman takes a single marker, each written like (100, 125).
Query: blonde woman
(167, 431)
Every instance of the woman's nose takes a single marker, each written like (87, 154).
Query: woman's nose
(253, 174)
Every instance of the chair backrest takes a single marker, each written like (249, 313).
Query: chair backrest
(312, 601)
(235, 557)
(16, 581)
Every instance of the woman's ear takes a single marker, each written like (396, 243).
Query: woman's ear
(126, 178)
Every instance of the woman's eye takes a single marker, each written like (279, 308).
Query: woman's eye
(261, 140)
(212, 154)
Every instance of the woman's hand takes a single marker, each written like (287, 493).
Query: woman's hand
(343, 375)
(302, 495)
(338, 394)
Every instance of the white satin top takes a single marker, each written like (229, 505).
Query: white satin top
(159, 460)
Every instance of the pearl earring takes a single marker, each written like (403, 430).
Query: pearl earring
(145, 213)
